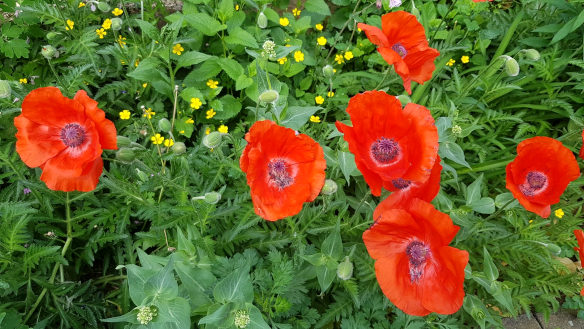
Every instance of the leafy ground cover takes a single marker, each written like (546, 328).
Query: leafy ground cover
(270, 164)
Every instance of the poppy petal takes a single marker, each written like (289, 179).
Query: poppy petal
(401, 68)
(403, 28)
(374, 34)
(47, 106)
(36, 143)
(106, 128)
(58, 180)
(390, 232)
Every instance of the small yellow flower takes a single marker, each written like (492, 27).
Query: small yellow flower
(236, 7)
(125, 115)
(223, 129)
(207, 131)
(81, 4)
(359, 30)
(177, 49)
(319, 27)
(148, 113)
(330, 94)
(349, 55)
(168, 142)
(559, 213)
(190, 120)
(296, 12)
(314, 118)
(212, 84)
(321, 40)
(117, 12)
(298, 56)
(530, 221)
(107, 24)
(136, 63)
(121, 41)
(144, 85)
(319, 99)
(211, 113)
(70, 25)
(23, 81)
(100, 32)
(339, 59)
(465, 59)
(123, 62)
(196, 103)
(282, 60)
(288, 45)
(284, 21)
(450, 62)
(157, 139)
(181, 132)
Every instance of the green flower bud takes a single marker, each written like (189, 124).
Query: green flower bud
(404, 99)
(262, 20)
(164, 125)
(269, 96)
(116, 23)
(5, 90)
(532, 54)
(49, 52)
(212, 140)
(103, 6)
(345, 269)
(511, 66)
(52, 35)
(125, 155)
(553, 248)
(329, 187)
(124, 141)
(212, 197)
(178, 148)
(328, 71)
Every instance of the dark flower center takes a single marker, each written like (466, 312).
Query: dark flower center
(401, 50)
(73, 135)
(401, 183)
(535, 182)
(384, 150)
(278, 173)
(417, 253)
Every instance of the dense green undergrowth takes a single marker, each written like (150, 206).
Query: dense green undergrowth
(143, 244)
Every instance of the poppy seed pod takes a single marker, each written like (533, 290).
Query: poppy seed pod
(179, 148)
(212, 197)
(124, 141)
(345, 269)
(329, 187)
(5, 89)
(51, 35)
(103, 6)
(164, 125)
(532, 54)
(511, 66)
(116, 23)
(328, 71)
(49, 52)
(553, 248)
(125, 155)
(212, 140)
(269, 96)
(262, 20)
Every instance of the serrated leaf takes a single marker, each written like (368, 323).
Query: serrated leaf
(235, 287)
(484, 206)
(230, 107)
(452, 151)
(204, 23)
(233, 69)
(240, 36)
(191, 58)
(347, 164)
(296, 116)
(148, 29)
(317, 6)
(473, 191)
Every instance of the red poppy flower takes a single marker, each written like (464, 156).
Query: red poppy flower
(390, 143)
(415, 267)
(540, 173)
(284, 169)
(401, 41)
(404, 190)
(64, 137)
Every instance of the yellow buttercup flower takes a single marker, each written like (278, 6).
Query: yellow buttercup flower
(559, 213)
(359, 30)
(339, 59)
(136, 63)
(121, 41)
(144, 85)
(319, 99)
(157, 139)
(190, 120)
(148, 113)
(465, 59)
(321, 40)
(177, 49)
(210, 113)
(81, 4)
(70, 25)
(314, 118)
(330, 94)
(101, 33)
(107, 24)
(298, 56)
(207, 131)
(223, 129)
(349, 55)
(284, 21)
(212, 84)
(117, 12)
(236, 7)
(296, 12)
(196, 103)
(181, 132)
(168, 142)
(319, 27)
(282, 60)
(23, 81)
(450, 62)
(125, 115)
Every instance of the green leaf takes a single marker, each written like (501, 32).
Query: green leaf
(473, 191)
(231, 107)
(205, 23)
(569, 27)
(317, 259)
(219, 316)
(242, 82)
(128, 317)
(256, 320)
(325, 274)
(225, 10)
(333, 246)
(475, 307)
(239, 36)
(191, 58)
(233, 69)
(347, 164)
(453, 151)
(489, 267)
(137, 278)
(148, 70)
(196, 281)
(296, 116)
(484, 206)
(317, 6)
(176, 312)
(236, 287)
(148, 29)
(163, 284)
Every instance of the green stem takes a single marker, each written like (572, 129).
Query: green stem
(509, 34)
(484, 167)
(63, 252)
(496, 213)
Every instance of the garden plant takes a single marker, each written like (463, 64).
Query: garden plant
(290, 164)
